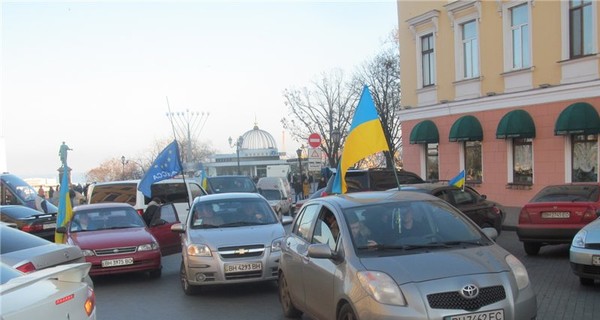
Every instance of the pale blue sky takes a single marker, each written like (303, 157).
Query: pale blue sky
(97, 75)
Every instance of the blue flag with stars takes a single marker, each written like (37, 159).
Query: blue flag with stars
(166, 165)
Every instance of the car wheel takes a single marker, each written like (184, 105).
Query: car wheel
(289, 310)
(188, 289)
(532, 248)
(156, 273)
(346, 313)
(586, 281)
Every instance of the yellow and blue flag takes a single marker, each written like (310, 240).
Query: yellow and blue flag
(166, 165)
(459, 180)
(365, 138)
(65, 209)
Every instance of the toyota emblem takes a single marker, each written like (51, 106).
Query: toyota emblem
(469, 291)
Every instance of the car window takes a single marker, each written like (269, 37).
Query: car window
(168, 213)
(231, 184)
(15, 240)
(326, 229)
(196, 190)
(114, 192)
(271, 194)
(231, 213)
(7, 273)
(462, 197)
(106, 218)
(305, 222)
(169, 192)
(571, 193)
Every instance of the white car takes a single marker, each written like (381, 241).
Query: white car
(585, 253)
(51, 293)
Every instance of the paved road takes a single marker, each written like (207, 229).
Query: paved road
(560, 296)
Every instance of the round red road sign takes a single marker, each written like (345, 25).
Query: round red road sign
(314, 140)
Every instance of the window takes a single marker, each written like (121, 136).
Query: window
(580, 28)
(304, 223)
(584, 158)
(427, 60)
(473, 161)
(470, 49)
(522, 161)
(432, 165)
(519, 26)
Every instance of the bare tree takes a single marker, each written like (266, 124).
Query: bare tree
(382, 75)
(325, 108)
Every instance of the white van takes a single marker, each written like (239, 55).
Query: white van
(280, 184)
(169, 191)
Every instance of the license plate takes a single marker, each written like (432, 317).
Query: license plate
(50, 226)
(243, 267)
(117, 262)
(487, 315)
(596, 260)
(556, 215)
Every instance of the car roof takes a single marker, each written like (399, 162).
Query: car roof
(427, 186)
(357, 199)
(228, 196)
(102, 205)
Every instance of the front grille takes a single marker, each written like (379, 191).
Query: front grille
(243, 275)
(592, 246)
(111, 251)
(454, 300)
(591, 269)
(243, 251)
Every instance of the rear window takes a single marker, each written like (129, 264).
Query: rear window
(114, 192)
(15, 240)
(20, 212)
(570, 193)
(231, 184)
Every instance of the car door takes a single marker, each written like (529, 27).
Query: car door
(295, 250)
(161, 230)
(318, 274)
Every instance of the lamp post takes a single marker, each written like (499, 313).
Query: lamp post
(335, 136)
(237, 145)
(123, 163)
(299, 153)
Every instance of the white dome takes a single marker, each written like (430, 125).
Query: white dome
(258, 139)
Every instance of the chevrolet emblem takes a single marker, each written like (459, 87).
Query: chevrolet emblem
(241, 251)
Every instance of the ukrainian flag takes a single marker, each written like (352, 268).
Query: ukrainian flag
(365, 138)
(65, 209)
(459, 180)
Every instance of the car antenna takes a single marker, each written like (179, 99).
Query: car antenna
(394, 169)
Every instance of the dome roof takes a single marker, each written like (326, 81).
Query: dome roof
(258, 139)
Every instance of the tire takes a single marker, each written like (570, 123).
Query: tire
(289, 310)
(346, 313)
(586, 281)
(188, 289)
(156, 273)
(532, 248)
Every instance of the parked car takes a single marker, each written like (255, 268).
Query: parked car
(229, 238)
(115, 239)
(15, 191)
(556, 213)
(232, 183)
(169, 191)
(484, 212)
(584, 254)
(51, 293)
(27, 253)
(29, 220)
(398, 255)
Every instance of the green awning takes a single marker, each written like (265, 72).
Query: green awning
(578, 118)
(424, 132)
(466, 128)
(516, 124)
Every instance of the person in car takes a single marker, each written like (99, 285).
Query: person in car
(360, 233)
(410, 227)
(151, 210)
(251, 214)
(205, 215)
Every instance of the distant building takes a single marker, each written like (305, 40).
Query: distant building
(508, 91)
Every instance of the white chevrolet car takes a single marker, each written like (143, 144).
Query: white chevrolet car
(229, 238)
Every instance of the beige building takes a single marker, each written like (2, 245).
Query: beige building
(508, 91)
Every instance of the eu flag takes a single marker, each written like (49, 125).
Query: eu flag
(365, 138)
(166, 165)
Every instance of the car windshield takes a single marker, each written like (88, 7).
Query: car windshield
(402, 227)
(231, 213)
(105, 218)
(271, 194)
(568, 193)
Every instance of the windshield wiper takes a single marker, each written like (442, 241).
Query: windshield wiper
(458, 243)
(238, 224)
(207, 226)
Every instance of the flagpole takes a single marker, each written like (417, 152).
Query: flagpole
(179, 153)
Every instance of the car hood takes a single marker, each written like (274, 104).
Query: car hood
(112, 238)
(440, 264)
(223, 237)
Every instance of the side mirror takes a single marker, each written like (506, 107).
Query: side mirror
(483, 196)
(62, 229)
(178, 227)
(285, 220)
(320, 251)
(492, 233)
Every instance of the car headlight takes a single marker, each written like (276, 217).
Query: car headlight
(199, 250)
(381, 287)
(518, 270)
(148, 247)
(87, 253)
(276, 245)
(579, 239)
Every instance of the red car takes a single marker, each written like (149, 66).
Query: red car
(556, 214)
(115, 239)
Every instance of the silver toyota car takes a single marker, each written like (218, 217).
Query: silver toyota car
(398, 255)
(229, 238)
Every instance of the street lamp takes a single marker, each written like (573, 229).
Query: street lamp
(123, 163)
(237, 145)
(335, 137)
(299, 153)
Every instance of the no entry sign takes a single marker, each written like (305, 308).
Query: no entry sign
(314, 140)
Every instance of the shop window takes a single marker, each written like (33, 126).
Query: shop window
(522, 161)
(584, 158)
(473, 161)
(432, 165)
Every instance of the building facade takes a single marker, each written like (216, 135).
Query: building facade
(508, 91)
